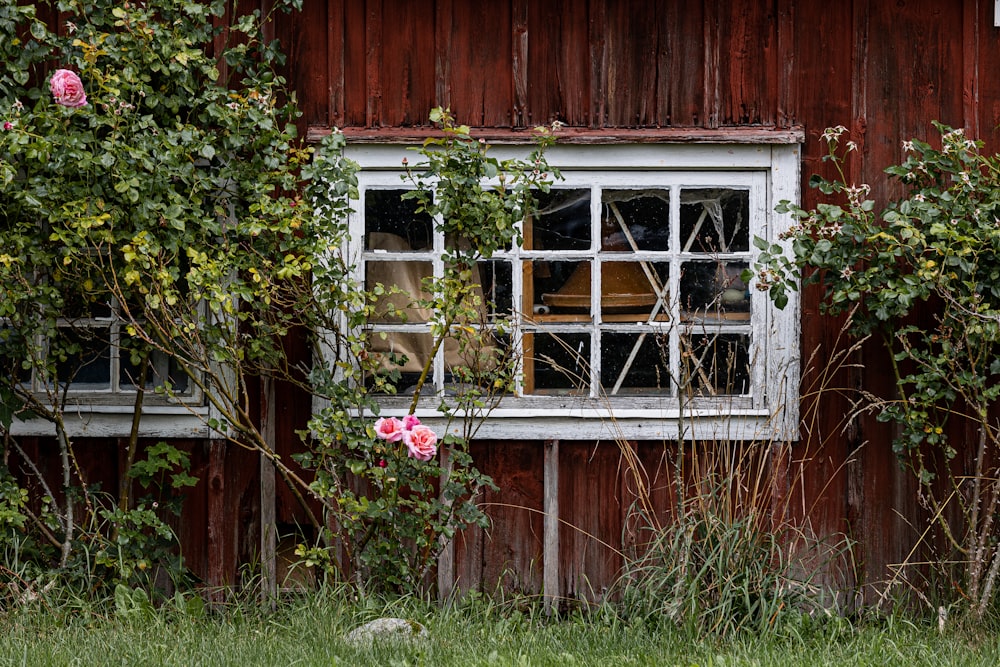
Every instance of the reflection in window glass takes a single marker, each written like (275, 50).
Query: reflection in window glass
(715, 220)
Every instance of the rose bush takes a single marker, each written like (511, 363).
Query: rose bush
(149, 168)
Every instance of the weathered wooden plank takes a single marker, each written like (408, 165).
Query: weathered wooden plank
(987, 59)
(631, 46)
(598, 48)
(558, 64)
(591, 513)
(355, 64)
(374, 54)
(481, 67)
(509, 553)
(711, 114)
(747, 63)
(218, 518)
(406, 62)
(268, 527)
(551, 559)
(680, 66)
(519, 60)
(442, 53)
(580, 136)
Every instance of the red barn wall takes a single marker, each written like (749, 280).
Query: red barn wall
(884, 70)
(374, 68)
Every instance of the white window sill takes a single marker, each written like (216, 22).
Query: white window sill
(107, 421)
(601, 424)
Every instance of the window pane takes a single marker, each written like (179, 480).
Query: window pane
(393, 224)
(715, 289)
(400, 356)
(470, 362)
(87, 363)
(495, 279)
(636, 220)
(402, 283)
(562, 221)
(557, 287)
(715, 220)
(161, 369)
(632, 288)
(717, 364)
(557, 363)
(635, 363)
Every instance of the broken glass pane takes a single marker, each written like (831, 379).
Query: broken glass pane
(715, 289)
(635, 363)
(393, 223)
(635, 220)
(562, 221)
(715, 220)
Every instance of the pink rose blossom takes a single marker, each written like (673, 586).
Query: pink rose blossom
(67, 89)
(390, 430)
(8, 125)
(409, 421)
(421, 442)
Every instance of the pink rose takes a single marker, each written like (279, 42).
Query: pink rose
(390, 430)
(421, 442)
(67, 89)
(8, 125)
(409, 421)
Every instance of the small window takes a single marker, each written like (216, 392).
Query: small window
(631, 313)
(97, 368)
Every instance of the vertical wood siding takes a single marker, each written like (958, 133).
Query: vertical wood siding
(884, 70)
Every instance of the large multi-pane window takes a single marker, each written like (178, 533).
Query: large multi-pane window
(630, 309)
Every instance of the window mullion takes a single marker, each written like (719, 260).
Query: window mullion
(674, 292)
(596, 272)
(437, 264)
(518, 306)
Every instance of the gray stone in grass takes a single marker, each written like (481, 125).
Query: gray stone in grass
(386, 629)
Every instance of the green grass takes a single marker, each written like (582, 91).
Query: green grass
(310, 632)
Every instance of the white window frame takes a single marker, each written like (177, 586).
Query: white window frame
(771, 410)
